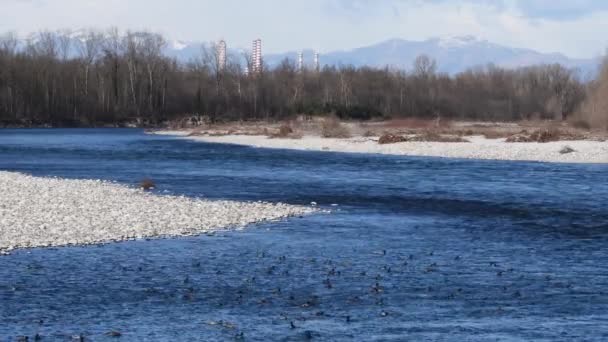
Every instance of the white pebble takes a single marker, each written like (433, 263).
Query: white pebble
(37, 212)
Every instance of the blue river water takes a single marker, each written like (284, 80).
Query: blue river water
(422, 249)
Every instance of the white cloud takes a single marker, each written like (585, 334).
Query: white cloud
(329, 24)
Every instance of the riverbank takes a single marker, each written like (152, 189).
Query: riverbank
(50, 212)
(476, 147)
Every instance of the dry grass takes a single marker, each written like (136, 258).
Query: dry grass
(417, 124)
(496, 134)
(428, 136)
(594, 111)
(394, 131)
(444, 128)
(431, 136)
(410, 123)
(235, 128)
(579, 123)
(333, 128)
(388, 138)
(545, 136)
(369, 134)
(523, 131)
(487, 130)
(189, 121)
(285, 131)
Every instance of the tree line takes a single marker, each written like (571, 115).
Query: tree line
(112, 78)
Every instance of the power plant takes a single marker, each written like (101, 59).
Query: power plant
(315, 62)
(255, 65)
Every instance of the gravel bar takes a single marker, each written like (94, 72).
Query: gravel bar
(47, 212)
(583, 151)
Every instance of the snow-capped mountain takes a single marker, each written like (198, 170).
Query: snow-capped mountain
(453, 55)
(177, 45)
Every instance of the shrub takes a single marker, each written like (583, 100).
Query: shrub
(428, 136)
(544, 136)
(333, 128)
(581, 124)
(594, 110)
(518, 138)
(284, 131)
(391, 139)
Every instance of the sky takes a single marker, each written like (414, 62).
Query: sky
(575, 28)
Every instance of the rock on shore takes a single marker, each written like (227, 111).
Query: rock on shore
(44, 212)
(478, 147)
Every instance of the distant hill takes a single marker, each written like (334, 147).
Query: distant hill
(453, 55)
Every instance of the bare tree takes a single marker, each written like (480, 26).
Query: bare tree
(210, 57)
(115, 78)
(594, 110)
(64, 43)
(425, 67)
(132, 45)
(45, 44)
(114, 50)
(89, 47)
(8, 43)
(151, 49)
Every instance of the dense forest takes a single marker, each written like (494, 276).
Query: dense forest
(119, 78)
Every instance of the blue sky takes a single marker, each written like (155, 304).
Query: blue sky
(573, 27)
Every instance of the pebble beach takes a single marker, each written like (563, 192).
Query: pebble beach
(477, 147)
(49, 212)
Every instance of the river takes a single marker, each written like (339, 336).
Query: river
(414, 248)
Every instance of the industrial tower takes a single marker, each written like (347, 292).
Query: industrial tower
(221, 55)
(301, 61)
(256, 56)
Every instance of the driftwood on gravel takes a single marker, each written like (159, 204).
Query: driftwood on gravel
(544, 136)
(424, 137)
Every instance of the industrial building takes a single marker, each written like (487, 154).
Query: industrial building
(221, 55)
(256, 56)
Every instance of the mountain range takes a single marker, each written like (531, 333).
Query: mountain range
(453, 55)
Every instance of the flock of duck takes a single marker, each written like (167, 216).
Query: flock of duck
(297, 292)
